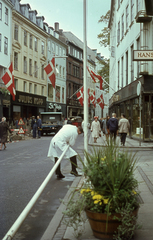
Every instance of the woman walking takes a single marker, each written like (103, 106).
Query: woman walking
(3, 132)
(105, 129)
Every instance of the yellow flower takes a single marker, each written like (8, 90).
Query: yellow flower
(92, 193)
(134, 192)
(98, 197)
(102, 159)
(82, 190)
(88, 190)
(106, 201)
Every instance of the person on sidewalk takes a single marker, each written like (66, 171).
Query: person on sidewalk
(124, 127)
(4, 128)
(39, 124)
(95, 129)
(34, 126)
(112, 125)
(105, 129)
(67, 135)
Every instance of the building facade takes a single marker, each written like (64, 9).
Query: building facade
(5, 54)
(131, 30)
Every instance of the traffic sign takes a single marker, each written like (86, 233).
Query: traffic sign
(21, 131)
(21, 122)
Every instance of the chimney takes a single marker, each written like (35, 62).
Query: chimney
(56, 26)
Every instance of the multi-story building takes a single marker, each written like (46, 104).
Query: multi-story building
(5, 53)
(56, 99)
(131, 30)
(75, 73)
(29, 54)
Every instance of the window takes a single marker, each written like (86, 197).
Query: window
(122, 70)
(62, 95)
(63, 72)
(132, 10)
(0, 42)
(132, 65)
(35, 69)
(57, 72)
(42, 71)
(69, 90)
(24, 86)
(0, 11)
(35, 89)
(127, 68)
(118, 33)
(57, 96)
(122, 25)
(49, 46)
(118, 3)
(60, 71)
(42, 47)
(127, 17)
(30, 67)
(16, 29)
(42, 90)
(16, 83)
(35, 44)
(6, 45)
(57, 50)
(30, 41)
(25, 64)
(15, 60)
(25, 38)
(60, 51)
(50, 92)
(6, 16)
(69, 68)
(30, 87)
(64, 52)
(53, 47)
(118, 75)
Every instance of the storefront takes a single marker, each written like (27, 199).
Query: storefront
(126, 101)
(27, 105)
(56, 107)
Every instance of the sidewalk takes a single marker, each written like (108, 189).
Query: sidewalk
(144, 173)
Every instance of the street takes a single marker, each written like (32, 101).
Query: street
(24, 166)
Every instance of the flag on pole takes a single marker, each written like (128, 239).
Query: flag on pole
(8, 79)
(100, 101)
(80, 96)
(96, 78)
(93, 98)
(50, 70)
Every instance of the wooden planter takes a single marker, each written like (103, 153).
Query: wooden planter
(103, 227)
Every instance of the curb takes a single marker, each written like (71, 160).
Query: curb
(56, 220)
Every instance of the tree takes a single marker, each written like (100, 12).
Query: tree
(104, 37)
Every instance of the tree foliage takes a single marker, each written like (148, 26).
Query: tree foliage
(104, 72)
(104, 36)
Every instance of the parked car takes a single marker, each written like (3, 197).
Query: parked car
(51, 122)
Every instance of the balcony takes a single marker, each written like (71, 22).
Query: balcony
(142, 17)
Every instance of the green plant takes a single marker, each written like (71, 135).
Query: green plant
(110, 183)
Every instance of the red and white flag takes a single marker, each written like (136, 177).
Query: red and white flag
(96, 78)
(93, 98)
(80, 96)
(8, 80)
(100, 101)
(50, 70)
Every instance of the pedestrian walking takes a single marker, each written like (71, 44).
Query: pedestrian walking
(34, 126)
(124, 127)
(112, 125)
(39, 125)
(105, 128)
(4, 128)
(95, 129)
(67, 135)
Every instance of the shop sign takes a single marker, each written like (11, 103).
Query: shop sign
(54, 105)
(143, 55)
(30, 100)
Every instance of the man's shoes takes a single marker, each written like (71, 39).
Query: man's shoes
(75, 173)
(60, 175)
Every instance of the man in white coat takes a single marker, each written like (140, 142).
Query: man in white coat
(67, 135)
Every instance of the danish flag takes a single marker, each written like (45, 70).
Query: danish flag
(93, 98)
(80, 96)
(96, 78)
(50, 70)
(100, 101)
(8, 80)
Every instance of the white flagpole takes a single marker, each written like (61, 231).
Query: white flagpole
(85, 80)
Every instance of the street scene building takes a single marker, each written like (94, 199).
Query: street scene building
(131, 30)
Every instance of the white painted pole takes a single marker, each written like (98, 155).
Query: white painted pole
(85, 80)
(21, 218)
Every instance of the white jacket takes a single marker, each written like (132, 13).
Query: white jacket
(67, 135)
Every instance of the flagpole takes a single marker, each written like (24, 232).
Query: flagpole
(75, 92)
(85, 80)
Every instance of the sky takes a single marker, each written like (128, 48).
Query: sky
(69, 14)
